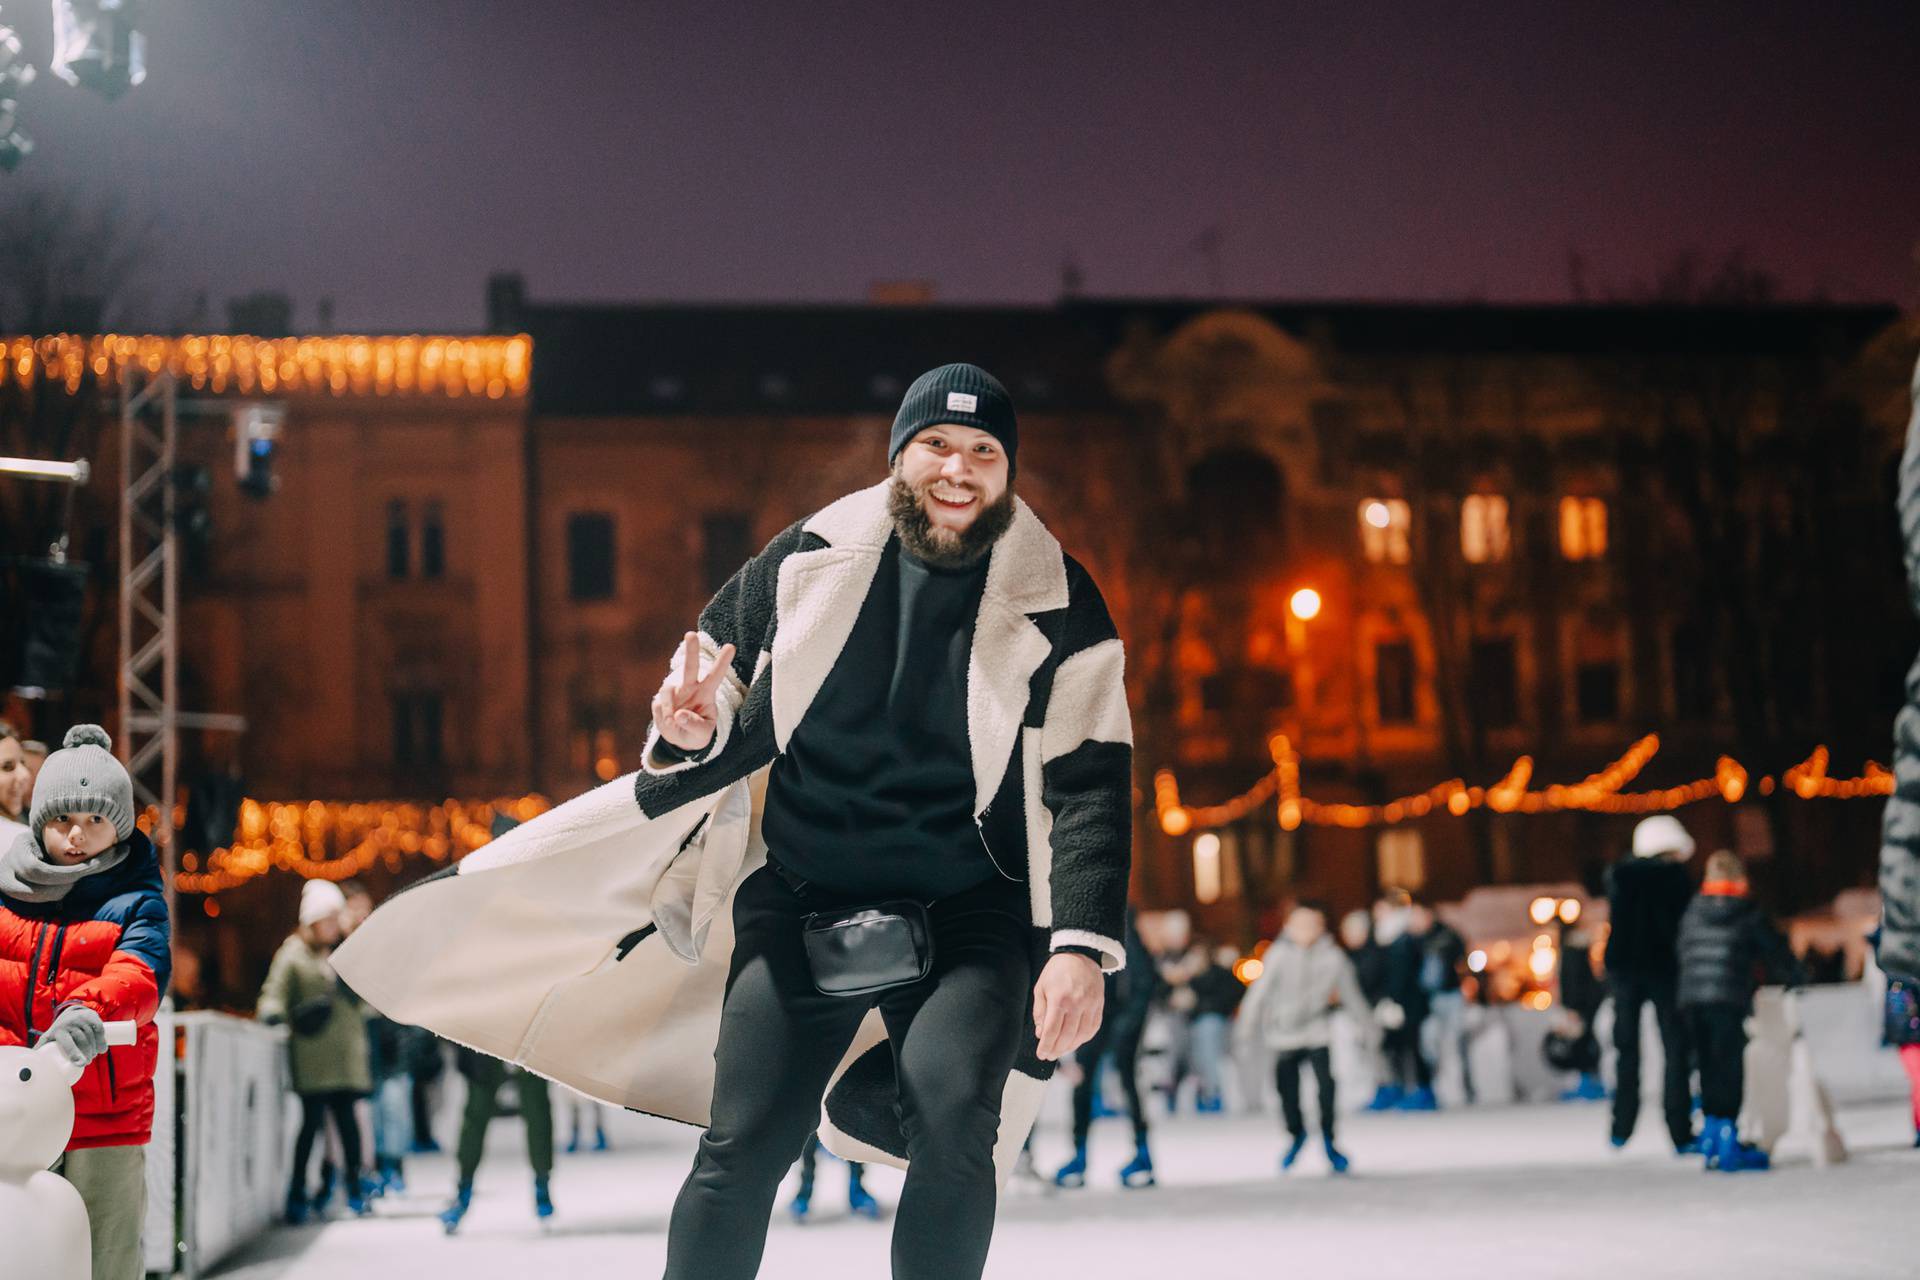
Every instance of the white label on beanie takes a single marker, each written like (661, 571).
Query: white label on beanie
(963, 402)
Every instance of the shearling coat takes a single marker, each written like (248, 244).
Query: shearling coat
(1899, 949)
(591, 944)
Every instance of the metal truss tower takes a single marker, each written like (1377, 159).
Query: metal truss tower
(149, 602)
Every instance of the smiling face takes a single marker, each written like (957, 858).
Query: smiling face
(16, 778)
(74, 838)
(951, 496)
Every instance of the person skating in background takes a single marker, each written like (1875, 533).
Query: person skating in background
(1129, 997)
(392, 1047)
(85, 940)
(1370, 966)
(1647, 893)
(1725, 941)
(1581, 995)
(359, 905)
(1305, 977)
(1402, 1010)
(1443, 960)
(1216, 996)
(327, 1047)
(1900, 1031)
(484, 1076)
(860, 1201)
(580, 1106)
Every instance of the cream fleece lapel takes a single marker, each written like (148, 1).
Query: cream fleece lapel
(819, 597)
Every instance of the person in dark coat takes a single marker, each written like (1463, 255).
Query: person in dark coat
(1443, 960)
(1725, 943)
(1403, 1008)
(1370, 968)
(1581, 995)
(1647, 892)
(1897, 941)
(1129, 997)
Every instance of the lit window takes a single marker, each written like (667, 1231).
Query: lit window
(1583, 528)
(1483, 528)
(1386, 526)
(1402, 858)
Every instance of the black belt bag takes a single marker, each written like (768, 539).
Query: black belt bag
(856, 951)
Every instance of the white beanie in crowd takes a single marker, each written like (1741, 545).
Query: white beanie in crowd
(320, 899)
(1660, 834)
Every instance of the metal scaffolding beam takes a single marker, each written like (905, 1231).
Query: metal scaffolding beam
(149, 603)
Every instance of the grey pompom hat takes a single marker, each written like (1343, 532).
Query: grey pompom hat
(83, 777)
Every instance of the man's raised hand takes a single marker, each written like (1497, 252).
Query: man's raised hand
(687, 707)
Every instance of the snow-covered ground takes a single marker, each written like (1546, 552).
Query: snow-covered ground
(1529, 1192)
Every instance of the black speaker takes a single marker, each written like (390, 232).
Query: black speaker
(54, 596)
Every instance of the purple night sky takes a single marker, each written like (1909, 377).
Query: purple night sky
(391, 153)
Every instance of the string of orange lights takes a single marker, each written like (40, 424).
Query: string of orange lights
(1601, 792)
(487, 366)
(332, 841)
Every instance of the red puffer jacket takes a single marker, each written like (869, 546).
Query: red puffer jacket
(105, 946)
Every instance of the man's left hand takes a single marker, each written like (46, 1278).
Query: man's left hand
(1067, 1004)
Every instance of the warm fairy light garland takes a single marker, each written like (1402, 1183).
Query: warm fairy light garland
(333, 841)
(487, 366)
(1599, 793)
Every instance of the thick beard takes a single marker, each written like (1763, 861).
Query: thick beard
(941, 548)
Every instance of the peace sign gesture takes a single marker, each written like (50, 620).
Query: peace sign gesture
(685, 710)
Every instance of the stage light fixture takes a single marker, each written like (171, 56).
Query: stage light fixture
(96, 44)
(16, 73)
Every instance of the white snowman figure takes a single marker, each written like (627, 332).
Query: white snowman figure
(42, 1220)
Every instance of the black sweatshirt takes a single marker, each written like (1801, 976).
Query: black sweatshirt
(874, 795)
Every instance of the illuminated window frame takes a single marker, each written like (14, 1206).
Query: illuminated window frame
(1388, 541)
(1583, 527)
(1485, 535)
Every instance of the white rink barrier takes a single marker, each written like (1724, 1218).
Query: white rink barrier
(227, 1110)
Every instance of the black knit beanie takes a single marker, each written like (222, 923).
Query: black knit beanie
(962, 393)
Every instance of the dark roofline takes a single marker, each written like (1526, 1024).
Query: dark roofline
(846, 357)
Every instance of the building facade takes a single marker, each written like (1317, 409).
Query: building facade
(1538, 533)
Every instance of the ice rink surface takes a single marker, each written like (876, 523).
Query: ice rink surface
(1531, 1192)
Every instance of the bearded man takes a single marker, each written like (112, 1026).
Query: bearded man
(884, 825)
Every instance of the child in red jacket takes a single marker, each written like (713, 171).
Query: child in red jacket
(84, 940)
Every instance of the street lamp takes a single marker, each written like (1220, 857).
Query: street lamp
(1305, 604)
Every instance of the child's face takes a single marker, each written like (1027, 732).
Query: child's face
(73, 838)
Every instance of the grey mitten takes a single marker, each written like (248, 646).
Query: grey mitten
(80, 1033)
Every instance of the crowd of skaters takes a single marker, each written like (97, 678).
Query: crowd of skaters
(1389, 985)
(1692, 948)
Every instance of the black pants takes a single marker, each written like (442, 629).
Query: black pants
(314, 1110)
(1286, 1075)
(1120, 1035)
(422, 1103)
(1407, 1065)
(1719, 1036)
(1631, 994)
(954, 1036)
